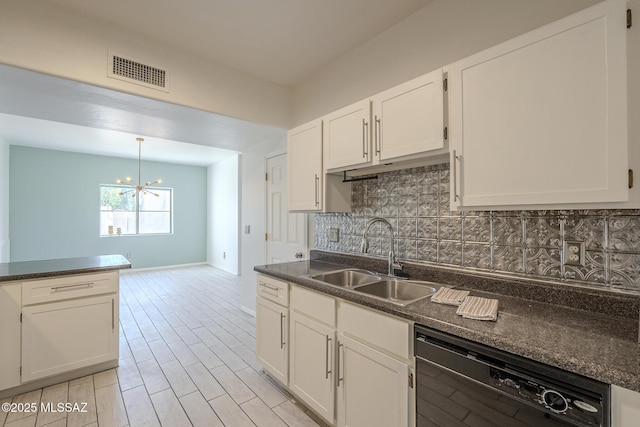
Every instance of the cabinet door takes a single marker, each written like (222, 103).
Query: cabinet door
(347, 136)
(304, 167)
(62, 336)
(408, 119)
(272, 339)
(10, 307)
(542, 119)
(312, 349)
(372, 388)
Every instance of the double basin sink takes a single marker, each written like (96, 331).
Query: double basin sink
(392, 289)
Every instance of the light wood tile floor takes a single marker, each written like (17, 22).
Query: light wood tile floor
(187, 357)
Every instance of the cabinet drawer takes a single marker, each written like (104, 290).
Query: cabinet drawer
(273, 289)
(314, 305)
(68, 287)
(386, 333)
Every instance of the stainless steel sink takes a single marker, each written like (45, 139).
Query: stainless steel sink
(348, 277)
(400, 292)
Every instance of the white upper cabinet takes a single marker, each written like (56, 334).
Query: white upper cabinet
(405, 122)
(304, 165)
(310, 189)
(408, 119)
(541, 120)
(347, 136)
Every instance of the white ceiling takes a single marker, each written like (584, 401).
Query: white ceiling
(43, 111)
(281, 41)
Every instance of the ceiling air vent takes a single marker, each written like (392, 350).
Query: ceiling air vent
(137, 72)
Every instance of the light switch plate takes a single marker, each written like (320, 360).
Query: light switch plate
(334, 234)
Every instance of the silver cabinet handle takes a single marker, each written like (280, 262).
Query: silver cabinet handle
(378, 135)
(72, 287)
(282, 343)
(340, 345)
(326, 364)
(456, 158)
(317, 190)
(273, 288)
(113, 314)
(365, 138)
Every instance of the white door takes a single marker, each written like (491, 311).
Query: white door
(286, 232)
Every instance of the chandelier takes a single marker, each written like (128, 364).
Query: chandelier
(136, 189)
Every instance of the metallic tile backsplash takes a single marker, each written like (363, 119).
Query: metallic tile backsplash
(523, 243)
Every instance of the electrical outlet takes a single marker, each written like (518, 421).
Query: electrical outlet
(128, 256)
(334, 234)
(573, 252)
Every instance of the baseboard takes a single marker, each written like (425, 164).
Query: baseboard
(59, 378)
(234, 272)
(161, 267)
(248, 311)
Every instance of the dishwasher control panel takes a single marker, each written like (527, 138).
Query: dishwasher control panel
(552, 397)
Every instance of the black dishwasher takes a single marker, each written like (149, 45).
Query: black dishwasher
(463, 383)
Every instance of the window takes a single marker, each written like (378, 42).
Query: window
(131, 214)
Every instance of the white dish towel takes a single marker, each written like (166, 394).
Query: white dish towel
(479, 308)
(449, 296)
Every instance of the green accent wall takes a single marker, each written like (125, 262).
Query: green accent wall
(54, 204)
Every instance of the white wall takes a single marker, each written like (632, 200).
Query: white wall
(253, 215)
(438, 34)
(40, 36)
(4, 201)
(223, 214)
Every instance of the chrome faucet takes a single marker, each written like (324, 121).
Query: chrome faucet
(394, 264)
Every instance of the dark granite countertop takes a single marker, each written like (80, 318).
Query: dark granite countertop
(585, 331)
(25, 270)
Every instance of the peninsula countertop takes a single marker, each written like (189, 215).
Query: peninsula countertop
(25, 270)
(596, 337)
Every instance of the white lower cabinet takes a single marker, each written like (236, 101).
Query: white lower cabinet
(375, 376)
(351, 365)
(272, 331)
(312, 351)
(271, 338)
(51, 327)
(372, 387)
(313, 329)
(63, 336)
(10, 308)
